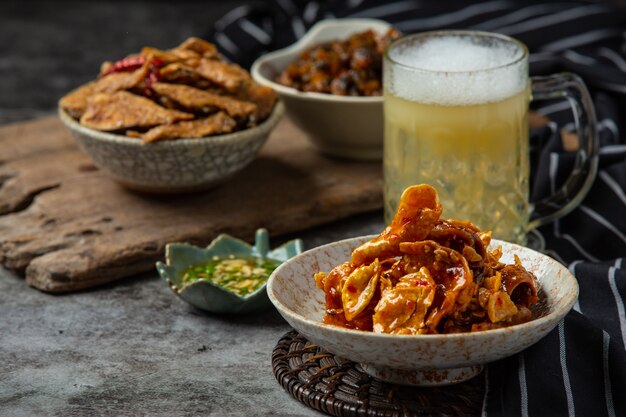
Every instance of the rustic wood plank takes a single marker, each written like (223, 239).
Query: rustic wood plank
(67, 226)
(24, 139)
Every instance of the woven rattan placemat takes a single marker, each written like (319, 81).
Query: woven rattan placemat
(339, 387)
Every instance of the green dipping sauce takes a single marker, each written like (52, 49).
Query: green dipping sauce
(241, 276)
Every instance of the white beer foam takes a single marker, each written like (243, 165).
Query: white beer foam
(454, 70)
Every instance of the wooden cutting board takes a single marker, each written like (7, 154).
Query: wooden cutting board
(67, 226)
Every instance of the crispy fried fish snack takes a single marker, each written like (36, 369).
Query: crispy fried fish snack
(180, 73)
(264, 98)
(215, 124)
(162, 87)
(123, 110)
(190, 51)
(118, 81)
(75, 102)
(228, 76)
(197, 100)
(199, 46)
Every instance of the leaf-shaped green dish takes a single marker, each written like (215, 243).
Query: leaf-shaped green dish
(209, 296)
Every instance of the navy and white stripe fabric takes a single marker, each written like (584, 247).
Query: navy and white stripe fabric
(580, 368)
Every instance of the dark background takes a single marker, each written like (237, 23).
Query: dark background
(49, 47)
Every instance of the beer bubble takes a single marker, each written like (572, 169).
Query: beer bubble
(461, 69)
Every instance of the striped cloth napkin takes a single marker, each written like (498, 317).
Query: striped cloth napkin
(580, 368)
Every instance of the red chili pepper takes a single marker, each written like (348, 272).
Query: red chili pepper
(134, 62)
(156, 62)
(130, 63)
(153, 76)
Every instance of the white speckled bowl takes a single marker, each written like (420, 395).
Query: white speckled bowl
(179, 165)
(348, 127)
(419, 359)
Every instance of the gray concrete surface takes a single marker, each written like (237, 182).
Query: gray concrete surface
(133, 349)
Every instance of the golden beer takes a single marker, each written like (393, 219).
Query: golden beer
(461, 127)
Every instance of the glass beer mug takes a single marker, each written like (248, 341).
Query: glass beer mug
(456, 117)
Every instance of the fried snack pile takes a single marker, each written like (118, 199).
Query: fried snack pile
(186, 92)
(425, 275)
(350, 67)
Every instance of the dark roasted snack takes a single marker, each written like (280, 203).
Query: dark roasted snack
(425, 275)
(350, 67)
(189, 91)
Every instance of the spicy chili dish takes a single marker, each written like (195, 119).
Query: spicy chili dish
(425, 275)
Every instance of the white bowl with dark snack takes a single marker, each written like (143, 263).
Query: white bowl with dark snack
(339, 106)
(444, 312)
(171, 121)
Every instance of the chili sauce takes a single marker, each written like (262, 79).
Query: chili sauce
(241, 276)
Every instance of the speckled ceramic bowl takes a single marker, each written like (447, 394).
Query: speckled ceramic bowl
(348, 127)
(208, 296)
(418, 359)
(173, 165)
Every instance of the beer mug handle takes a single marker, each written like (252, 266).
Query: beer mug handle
(576, 187)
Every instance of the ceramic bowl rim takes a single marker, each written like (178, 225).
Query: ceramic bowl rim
(557, 310)
(304, 43)
(225, 139)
